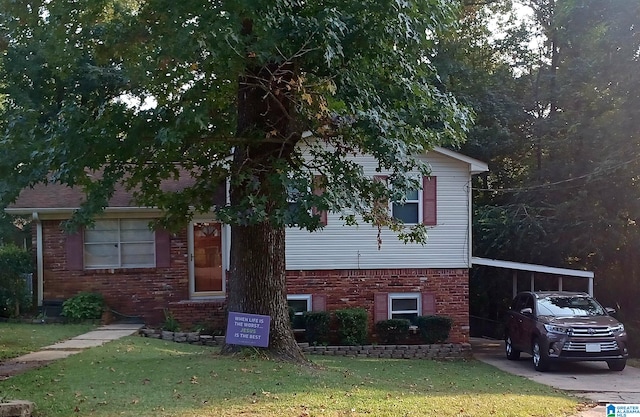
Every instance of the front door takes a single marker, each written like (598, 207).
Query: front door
(206, 270)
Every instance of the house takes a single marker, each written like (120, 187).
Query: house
(144, 273)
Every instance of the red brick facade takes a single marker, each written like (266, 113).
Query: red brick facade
(147, 292)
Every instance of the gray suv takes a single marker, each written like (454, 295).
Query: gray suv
(564, 326)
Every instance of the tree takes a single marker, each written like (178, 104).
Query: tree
(271, 95)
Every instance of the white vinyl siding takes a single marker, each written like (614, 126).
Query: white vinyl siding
(355, 247)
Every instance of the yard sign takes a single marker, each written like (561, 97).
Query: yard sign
(248, 329)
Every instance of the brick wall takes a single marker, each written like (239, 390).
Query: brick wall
(357, 288)
(146, 292)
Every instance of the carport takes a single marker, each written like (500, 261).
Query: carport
(535, 269)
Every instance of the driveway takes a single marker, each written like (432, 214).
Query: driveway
(591, 380)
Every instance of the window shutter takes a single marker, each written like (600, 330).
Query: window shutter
(380, 207)
(428, 304)
(74, 248)
(319, 302)
(381, 307)
(318, 189)
(429, 201)
(163, 249)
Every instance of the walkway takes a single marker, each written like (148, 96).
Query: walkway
(47, 354)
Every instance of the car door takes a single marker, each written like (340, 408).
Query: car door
(514, 321)
(527, 323)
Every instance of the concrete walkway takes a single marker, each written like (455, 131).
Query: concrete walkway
(47, 354)
(590, 380)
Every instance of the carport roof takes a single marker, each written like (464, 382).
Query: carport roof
(532, 267)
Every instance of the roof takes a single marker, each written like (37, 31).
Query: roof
(475, 166)
(532, 267)
(59, 198)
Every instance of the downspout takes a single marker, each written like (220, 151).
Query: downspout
(39, 258)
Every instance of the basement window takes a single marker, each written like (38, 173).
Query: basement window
(404, 306)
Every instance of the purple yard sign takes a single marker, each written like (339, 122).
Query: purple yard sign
(248, 329)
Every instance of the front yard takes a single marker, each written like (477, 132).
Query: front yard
(148, 377)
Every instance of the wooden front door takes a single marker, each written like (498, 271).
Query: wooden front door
(206, 258)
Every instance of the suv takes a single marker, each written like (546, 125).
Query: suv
(564, 326)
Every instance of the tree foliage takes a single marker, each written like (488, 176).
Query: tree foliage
(142, 90)
(574, 203)
(267, 95)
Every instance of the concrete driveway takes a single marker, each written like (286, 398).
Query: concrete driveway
(591, 380)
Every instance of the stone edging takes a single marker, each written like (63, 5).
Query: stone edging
(436, 351)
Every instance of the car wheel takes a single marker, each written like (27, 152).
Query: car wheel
(617, 365)
(513, 354)
(540, 357)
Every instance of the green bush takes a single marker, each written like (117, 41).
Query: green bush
(170, 323)
(83, 306)
(14, 292)
(352, 326)
(434, 329)
(316, 325)
(393, 331)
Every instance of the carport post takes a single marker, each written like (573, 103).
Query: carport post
(515, 283)
(560, 283)
(533, 280)
(591, 286)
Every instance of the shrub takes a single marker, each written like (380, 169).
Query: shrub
(393, 331)
(316, 324)
(434, 329)
(352, 326)
(83, 306)
(14, 292)
(170, 322)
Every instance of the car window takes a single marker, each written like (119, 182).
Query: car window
(567, 306)
(528, 302)
(517, 302)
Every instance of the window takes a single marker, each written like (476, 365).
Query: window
(404, 306)
(410, 211)
(299, 304)
(119, 243)
(420, 206)
(296, 209)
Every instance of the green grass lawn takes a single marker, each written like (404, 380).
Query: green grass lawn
(18, 338)
(147, 377)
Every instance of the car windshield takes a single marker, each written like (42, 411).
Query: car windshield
(569, 306)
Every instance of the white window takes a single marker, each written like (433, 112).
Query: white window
(410, 210)
(300, 304)
(404, 306)
(119, 243)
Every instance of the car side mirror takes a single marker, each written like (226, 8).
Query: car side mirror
(610, 311)
(527, 311)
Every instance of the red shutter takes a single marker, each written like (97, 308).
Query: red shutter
(74, 249)
(380, 207)
(428, 304)
(380, 307)
(318, 189)
(319, 302)
(163, 249)
(429, 201)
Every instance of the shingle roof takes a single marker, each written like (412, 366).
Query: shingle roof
(57, 196)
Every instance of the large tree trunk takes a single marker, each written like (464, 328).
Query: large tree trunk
(257, 281)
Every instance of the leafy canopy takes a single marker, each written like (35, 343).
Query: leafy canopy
(102, 93)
